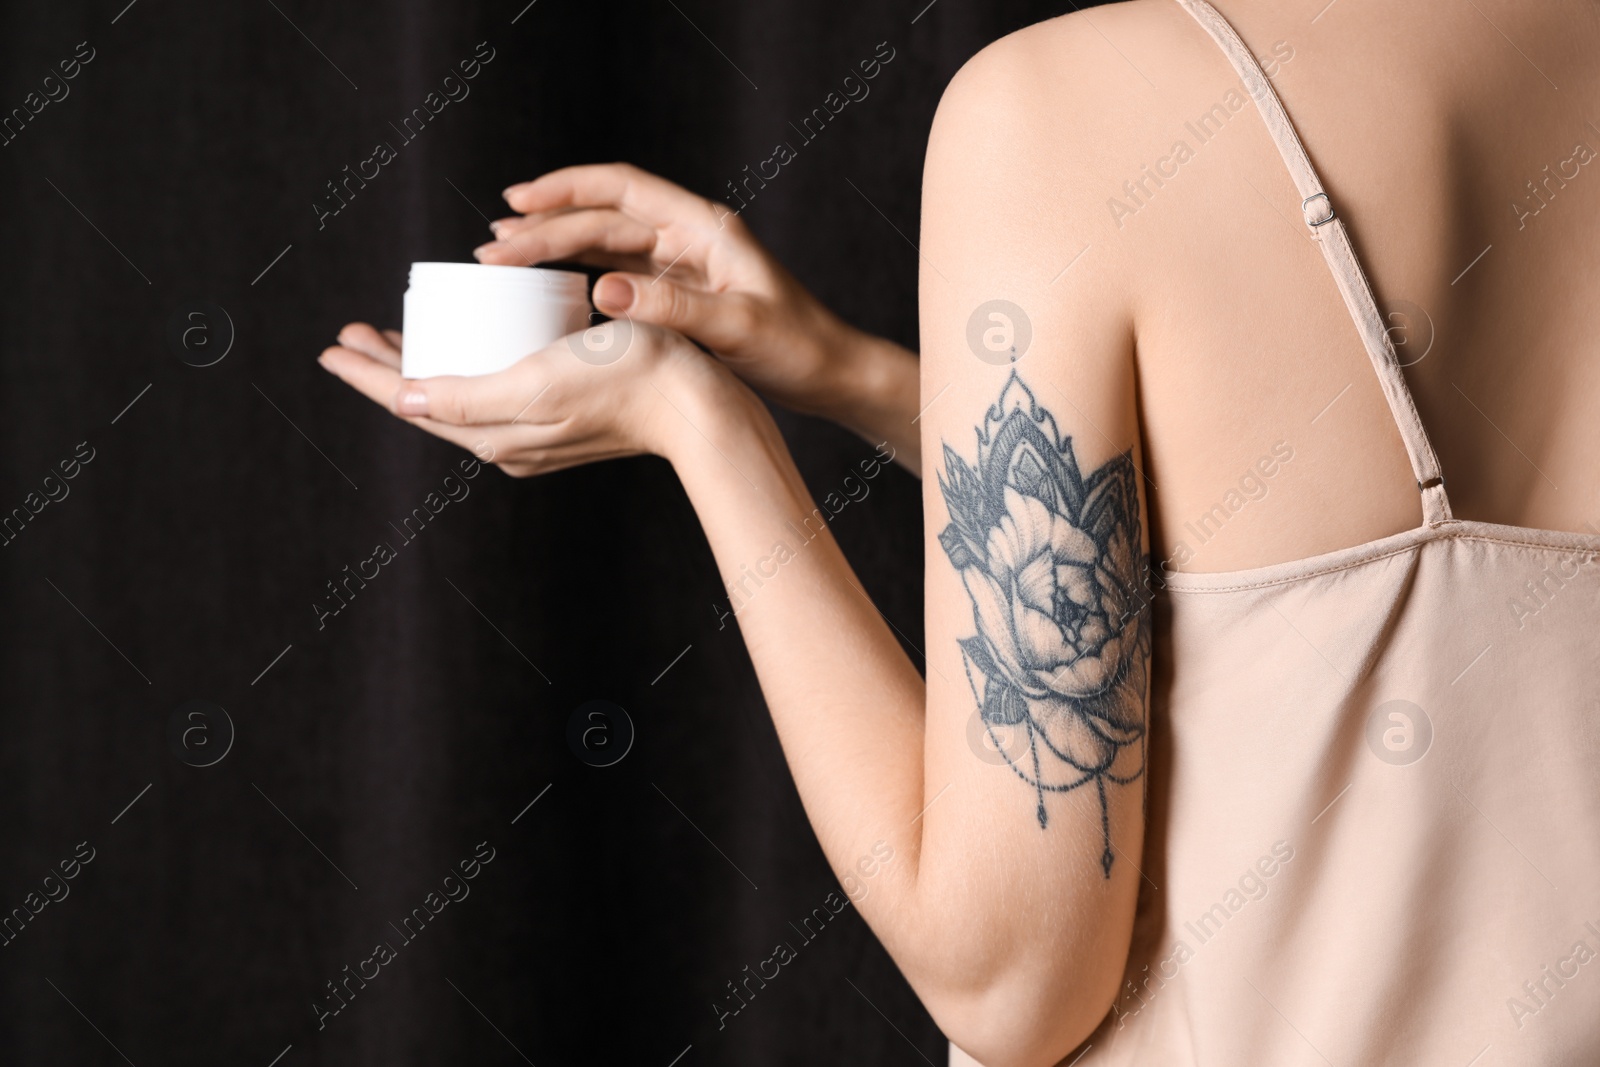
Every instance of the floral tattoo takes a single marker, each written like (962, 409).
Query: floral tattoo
(1052, 560)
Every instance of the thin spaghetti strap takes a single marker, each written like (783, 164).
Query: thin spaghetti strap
(1318, 211)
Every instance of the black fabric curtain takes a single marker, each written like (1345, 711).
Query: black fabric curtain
(257, 808)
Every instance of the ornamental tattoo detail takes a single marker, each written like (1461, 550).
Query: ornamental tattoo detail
(1052, 561)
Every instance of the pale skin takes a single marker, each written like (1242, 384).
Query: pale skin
(1198, 330)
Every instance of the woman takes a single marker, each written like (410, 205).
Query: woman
(1310, 803)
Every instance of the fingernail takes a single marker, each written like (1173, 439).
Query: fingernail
(506, 193)
(485, 249)
(500, 224)
(411, 402)
(322, 360)
(614, 292)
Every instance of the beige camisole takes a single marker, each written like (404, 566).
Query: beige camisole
(1374, 794)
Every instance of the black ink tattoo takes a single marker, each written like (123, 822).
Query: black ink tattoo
(1057, 575)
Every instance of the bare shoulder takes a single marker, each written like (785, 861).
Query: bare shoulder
(1032, 136)
(1038, 128)
(1084, 81)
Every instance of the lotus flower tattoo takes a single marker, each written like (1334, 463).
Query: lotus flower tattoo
(1053, 564)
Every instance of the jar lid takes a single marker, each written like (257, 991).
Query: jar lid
(469, 276)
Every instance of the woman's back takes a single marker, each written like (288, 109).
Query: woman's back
(1372, 807)
(1428, 122)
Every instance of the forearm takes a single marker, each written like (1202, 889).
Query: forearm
(881, 771)
(847, 701)
(878, 393)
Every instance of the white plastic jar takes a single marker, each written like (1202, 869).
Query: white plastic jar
(474, 318)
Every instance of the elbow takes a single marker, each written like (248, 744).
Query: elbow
(1025, 1019)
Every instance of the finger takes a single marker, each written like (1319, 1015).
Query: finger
(367, 340)
(718, 320)
(504, 255)
(375, 379)
(574, 242)
(532, 218)
(396, 338)
(489, 399)
(512, 395)
(520, 449)
(513, 222)
(647, 197)
(384, 386)
(564, 235)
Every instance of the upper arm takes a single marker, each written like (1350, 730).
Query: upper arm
(1038, 622)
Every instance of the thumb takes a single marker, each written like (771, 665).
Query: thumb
(720, 321)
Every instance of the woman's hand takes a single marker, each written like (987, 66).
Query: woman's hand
(551, 409)
(689, 264)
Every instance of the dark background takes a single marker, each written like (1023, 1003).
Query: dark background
(379, 751)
